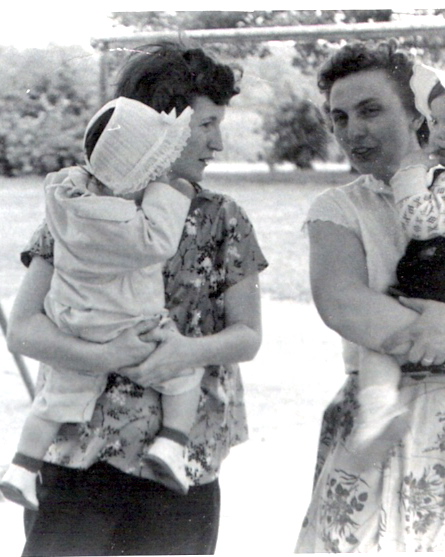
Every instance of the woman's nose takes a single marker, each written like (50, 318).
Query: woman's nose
(216, 141)
(356, 128)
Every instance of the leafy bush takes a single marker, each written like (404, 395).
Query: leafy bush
(46, 100)
(296, 133)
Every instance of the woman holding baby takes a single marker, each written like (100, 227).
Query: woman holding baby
(379, 482)
(98, 493)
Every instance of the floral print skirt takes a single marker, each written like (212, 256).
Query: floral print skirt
(392, 496)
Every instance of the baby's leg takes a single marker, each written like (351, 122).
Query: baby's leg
(179, 411)
(167, 453)
(379, 377)
(378, 369)
(19, 482)
(36, 437)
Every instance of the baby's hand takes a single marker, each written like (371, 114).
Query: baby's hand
(419, 157)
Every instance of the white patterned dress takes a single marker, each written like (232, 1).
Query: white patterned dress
(397, 504)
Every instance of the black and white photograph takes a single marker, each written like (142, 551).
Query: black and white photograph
(269, 379)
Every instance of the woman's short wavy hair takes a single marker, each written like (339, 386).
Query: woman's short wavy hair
(166, 76)
(362, 56)
(171, 75)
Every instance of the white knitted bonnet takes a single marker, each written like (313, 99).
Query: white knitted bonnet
(423, 80)
(137, 146)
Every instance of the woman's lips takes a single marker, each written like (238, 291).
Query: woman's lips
(362, 153)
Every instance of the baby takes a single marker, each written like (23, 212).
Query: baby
(419, 194)
(115, 222)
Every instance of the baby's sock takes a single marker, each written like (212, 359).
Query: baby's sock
(28, 462)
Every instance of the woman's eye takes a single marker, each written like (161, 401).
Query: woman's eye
(338, 119)
(371, 111)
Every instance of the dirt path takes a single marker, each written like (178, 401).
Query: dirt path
(266, 483)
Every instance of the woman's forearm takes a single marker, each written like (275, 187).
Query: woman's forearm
(177, 354)
(38, 338)
(236, 343)
(239, 341)
(33, 334)
(362, 315)
(341, 293)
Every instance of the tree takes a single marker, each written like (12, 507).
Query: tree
(46, 100)
(307, 57)
(297, 133)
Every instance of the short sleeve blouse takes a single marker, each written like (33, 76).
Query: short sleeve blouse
(366, 208)
(217, 250)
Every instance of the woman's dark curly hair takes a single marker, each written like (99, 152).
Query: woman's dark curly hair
(170, 75)
(166, 76)
(360, 56)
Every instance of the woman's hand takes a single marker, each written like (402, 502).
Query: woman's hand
(424, 339)
(133, 345)
(176, 354)
(239, 341)
(172, 356)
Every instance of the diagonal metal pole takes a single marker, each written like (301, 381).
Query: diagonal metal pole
(20, 362)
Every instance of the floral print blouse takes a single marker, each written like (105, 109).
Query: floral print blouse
(217, 250)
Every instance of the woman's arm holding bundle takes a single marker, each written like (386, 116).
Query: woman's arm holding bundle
(33, 334)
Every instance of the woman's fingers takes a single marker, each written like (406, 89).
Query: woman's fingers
(149, 373)
(418, 350)
(425, 354)
(147, 325)
(135, 374)
(425, 336)
(398, 343)
(156, 335)
(416, 354)
(428, 361)
(416, 304)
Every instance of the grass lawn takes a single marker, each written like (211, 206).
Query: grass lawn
(276, 203)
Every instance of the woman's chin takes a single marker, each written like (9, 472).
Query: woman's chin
(192, 176)
(196, 177)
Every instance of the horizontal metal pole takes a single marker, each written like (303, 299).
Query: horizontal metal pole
(419, 26)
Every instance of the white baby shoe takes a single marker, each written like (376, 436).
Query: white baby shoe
(19, 485)
(168, 463)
